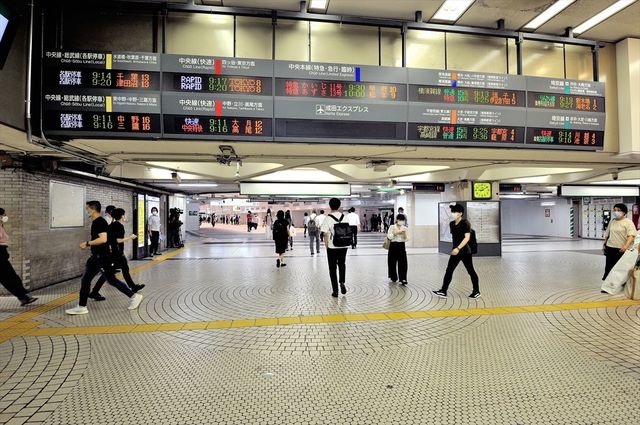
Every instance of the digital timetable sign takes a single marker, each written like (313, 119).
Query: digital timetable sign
(101, 94)
(190, 97)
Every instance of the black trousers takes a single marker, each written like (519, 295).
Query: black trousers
(119, 263)
(612, 255)
(96, 266)
(397, 261)
(467, 260)
(155, 241)
(354, 241)
(337, 257)
(9, 278)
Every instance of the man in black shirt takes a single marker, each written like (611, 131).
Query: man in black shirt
(116, 239)
(461, 235)
(100, 262)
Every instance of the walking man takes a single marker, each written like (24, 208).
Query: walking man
(337, 238)
(8, 276)
(100, 262)
(354, 222)
(314, 232)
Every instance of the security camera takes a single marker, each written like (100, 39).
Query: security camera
(614, 176)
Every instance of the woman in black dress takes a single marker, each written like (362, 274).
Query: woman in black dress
(280, 237)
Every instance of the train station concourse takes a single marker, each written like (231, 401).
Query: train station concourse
(320, 212)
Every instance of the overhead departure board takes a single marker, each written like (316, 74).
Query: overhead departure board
(101, 94)
(210, 97)
(339, 102)
(148, 95)
(466, 108)
(565, 113)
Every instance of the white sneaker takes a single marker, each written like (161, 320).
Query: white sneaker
(135, 301)
(77, 310)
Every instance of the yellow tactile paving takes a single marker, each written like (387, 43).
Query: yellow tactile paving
(29, 328)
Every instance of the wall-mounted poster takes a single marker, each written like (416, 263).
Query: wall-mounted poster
(141, 221)
(485, 220)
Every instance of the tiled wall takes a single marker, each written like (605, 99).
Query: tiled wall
(41, 255)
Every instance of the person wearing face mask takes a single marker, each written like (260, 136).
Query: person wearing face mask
(618, 237)
(116, 239)
(461, 235)
(398, 234)
(154, 230)
(8, 276)
(99, 262)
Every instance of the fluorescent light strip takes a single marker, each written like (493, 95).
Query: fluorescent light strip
(548, 13)
(452, 10)
(319, 6)
(198, 185)
(605, 14)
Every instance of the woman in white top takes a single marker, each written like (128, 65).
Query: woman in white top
(398, 234)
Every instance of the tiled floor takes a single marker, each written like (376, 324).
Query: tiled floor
(382, 354)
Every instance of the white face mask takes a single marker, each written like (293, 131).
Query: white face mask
(618, 214)
(400, 222)
(4, 219)
(155, 213)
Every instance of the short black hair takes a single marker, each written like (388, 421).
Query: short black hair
(400, 209)
(1, 211)
(352, 209)
(109, 209)
(306, 214)
(95, 205)
(321, 211)
(457, 208)
(154, 208)
(334, 203)
(400, 217)
(280, 214)
(621, 207)
(117, 213)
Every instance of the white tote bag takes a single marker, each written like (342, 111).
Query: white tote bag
(632, 289)
(619, 275)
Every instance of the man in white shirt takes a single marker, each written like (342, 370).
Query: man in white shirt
(154, 230)
(335, 254)
(354, 222)
(320, 219)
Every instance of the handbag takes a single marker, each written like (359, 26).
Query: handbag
(387, 243)
(292, 231)
(619, 274)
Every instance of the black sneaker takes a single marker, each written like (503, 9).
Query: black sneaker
(97, 297)
(27, 301)
(474, 295)
(440, 293)
(343, 289)
(136, 288)
(334, 294)
(278, 263)
(404, 283)
(283, 265)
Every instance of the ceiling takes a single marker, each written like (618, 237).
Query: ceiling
(196, 163)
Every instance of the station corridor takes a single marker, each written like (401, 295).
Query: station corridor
(224, 337)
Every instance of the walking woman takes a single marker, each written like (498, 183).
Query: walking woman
(116, 239)
(398, 234)
(461, 235)
(618, 237)
(8, 276)
(287, 216)
(280, 237)
(268, 223)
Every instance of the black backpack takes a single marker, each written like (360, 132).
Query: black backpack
(279, 231)
(312, 226)
(473, 242)
(342, 233)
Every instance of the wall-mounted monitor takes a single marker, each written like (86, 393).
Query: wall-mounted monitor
(8, 28)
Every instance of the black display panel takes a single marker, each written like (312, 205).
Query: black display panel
(466, 133)
(102, 122)
(331, 89)
(564, 137)
(568, 102)
(331, 129)
(203, 83)
(466, 95)
(197, 125)
(102, 79)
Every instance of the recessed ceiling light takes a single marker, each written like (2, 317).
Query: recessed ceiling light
(548, 13)
(318, 6)
(605, 14)
(452, 10)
